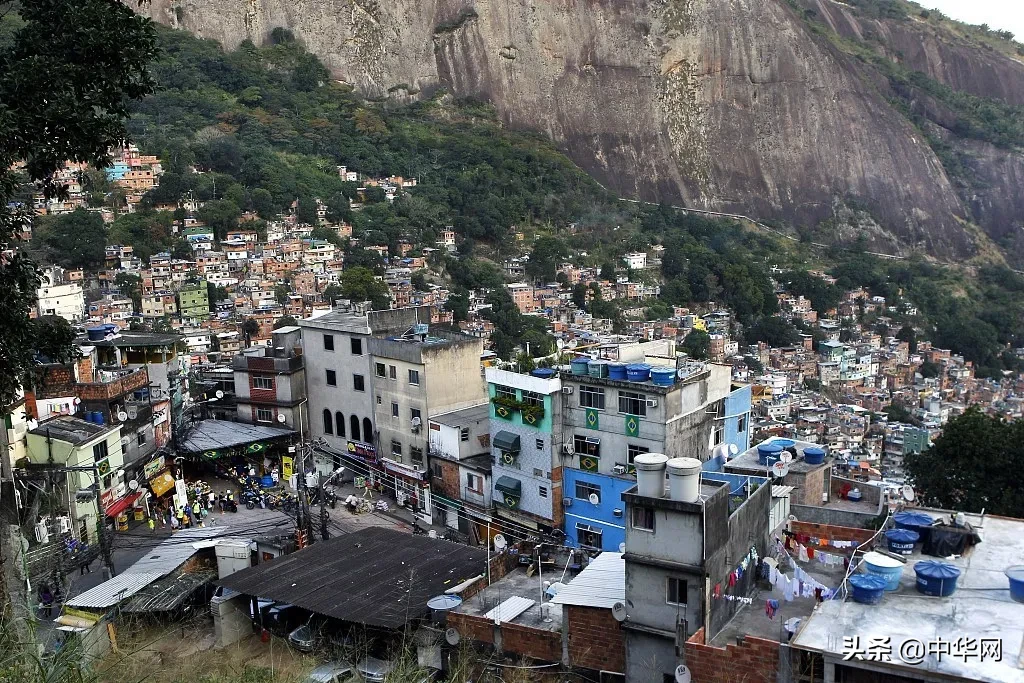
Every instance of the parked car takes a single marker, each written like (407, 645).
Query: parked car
(302, 639)
(331, 672)
(373, 670)
(282, 618)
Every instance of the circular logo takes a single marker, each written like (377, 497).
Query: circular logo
(508, 458)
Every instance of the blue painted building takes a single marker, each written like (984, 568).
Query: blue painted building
(737, 417)
(595, 525)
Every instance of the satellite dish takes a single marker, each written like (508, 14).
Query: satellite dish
(559, 344)
(619, 611)
(133, 412)
(908, 493)
(77, 400)
(786, 457)
(219, 394)
(594, 499)
(682, 674)
(573, 344)
(733, 449)
(133, 486)
(281, 418)
(452, 636)
(121, 416)
(780, 468)
(622, 547)
(499, 542)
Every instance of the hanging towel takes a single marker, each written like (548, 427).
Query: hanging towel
(803, 554)
(732, 579)
(810, 553)
(717, 591)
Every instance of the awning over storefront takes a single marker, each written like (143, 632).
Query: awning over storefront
(119, 506)
(509, 485)
(506, 441)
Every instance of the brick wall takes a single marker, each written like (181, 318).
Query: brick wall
(448, 483)
(472, 627)
(831, 532)
(596, 640)
(755, 661)
(258, 395)
(532, 642)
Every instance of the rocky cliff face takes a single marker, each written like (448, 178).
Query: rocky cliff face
(731, 105)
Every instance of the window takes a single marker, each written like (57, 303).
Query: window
(719, 431)
(585, 488)
(357, 346)
(464, 434)
(328, 422)
(140, 438)
(353, 423)
(416, 455)
(367, 430)
(587, 446)
(501, 391)
(394, 409)
(99, 451)
(591, 397)
(414, 377)
(537, 472)
(379, 369)
(542, 491)
(436, 469)
(414, 413)
(358, 383)
(332, 378)
(328, 342)
(675, 593)
(259, 382)
(632, 450)
(589, 536)
(380, 400)
(474, 482)
(264, 415)
(643, 518)
(392, 372)
(531, 398)
(539, 443)
(632, 404)
(339, 421)
(396, 448)
(741, 424)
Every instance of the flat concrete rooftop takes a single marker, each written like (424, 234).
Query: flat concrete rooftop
(981, 608)
(517, 583)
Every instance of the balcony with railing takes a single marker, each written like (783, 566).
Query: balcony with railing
(113, 384)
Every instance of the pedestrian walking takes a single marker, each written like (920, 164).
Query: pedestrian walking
(152, 525)
(46, 600)
(174, 523)
(84, 567)
(212, 500)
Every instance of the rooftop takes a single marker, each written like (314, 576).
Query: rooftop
(747, 460)
(342, 321)
(601, 584)
(211, 435)
(516, 584)
(980, 608)
(71, 429)
(465, 416)
(375, 576)
(134, 339)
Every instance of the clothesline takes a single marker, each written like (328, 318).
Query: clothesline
(748, 563)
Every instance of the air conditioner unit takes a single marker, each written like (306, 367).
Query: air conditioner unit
(619, 468)
(124, 442)
(617, 512)
(568, 449)
(42, 533)
(567, 502)
(416, 422)
(566, 390)
(64, 524)
(652, 403)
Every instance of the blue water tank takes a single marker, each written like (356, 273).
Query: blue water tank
(936, 578)
(597, 368)
(915, 521)
(867, 588)
(98, 417)
(638, 372)
(87, 415)
(543, 373)
(901, 541)
(784, 443)
(579, 365)
(617, 371)
(663, 377)
(768, 454)
(814, 455)
(96, 333)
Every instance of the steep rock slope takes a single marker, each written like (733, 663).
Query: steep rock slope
(724, 104)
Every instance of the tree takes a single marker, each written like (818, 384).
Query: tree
(282, 292)
(77, 240)
(216, 294)
(608, 271)
(359, 284)
(364, 258)
(907, 334)
(181, 249)
(579, 296)
(285, 321)
(897, 412)
(332, 292)
(929, 369)
(774, 331)
(305, 212)
(263, 203)
(697, 344)
(131, 286)
(57, 106)
(458, 304)
(309, 73)
(547, 253)
(250, 328)
(823, 296)
(220, 214)
(419, 281)
(54, 339)
(974, 465)
(339, 208)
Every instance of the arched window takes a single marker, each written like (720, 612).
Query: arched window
(340, 419)
(354, 422)
(328, 423)
(367, 430)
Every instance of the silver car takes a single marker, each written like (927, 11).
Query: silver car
(374, 670)
(331, 672)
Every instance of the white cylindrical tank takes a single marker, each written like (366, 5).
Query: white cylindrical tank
(650, 474)
(684, 479)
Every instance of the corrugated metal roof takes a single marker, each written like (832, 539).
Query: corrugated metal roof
(510, 609)
(113, 591)
(781, 491)
(601, 584)
(174, 551)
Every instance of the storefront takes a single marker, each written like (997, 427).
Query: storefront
(409, 486)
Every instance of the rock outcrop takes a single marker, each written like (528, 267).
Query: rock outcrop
(733, 105)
